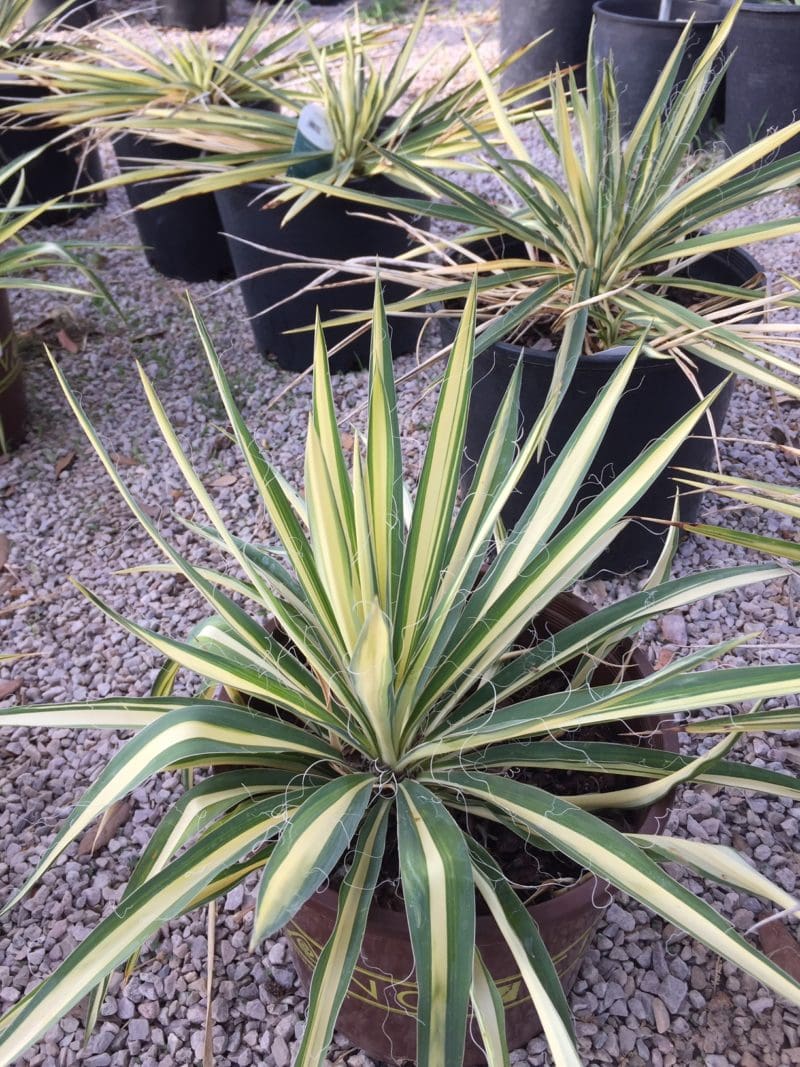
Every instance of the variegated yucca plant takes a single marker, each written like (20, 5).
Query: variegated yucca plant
(376, 97)
(107, 75)
(394, 695)
(585, 242)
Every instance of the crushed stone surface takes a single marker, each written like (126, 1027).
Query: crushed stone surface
(647, 994)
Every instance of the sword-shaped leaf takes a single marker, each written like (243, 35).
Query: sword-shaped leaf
(642, 796)
(256, 682)
(277, 504)
(309, 849)
(651, 696)
(436, 495)
(489, 1012)
(750, 722)
(538, 971)
(384, 475)
(610, 855)
(491, 622)
(719, 863)
(196, 810)
(440, 907)
(372, 678)
(630, 761)
(117, 936)
(205, 730)
(110, 713)
(595, 630)
(334, 968)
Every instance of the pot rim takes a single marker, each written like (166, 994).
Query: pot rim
(610, 357)
(265, 186)
(658, 25)
(763, 6)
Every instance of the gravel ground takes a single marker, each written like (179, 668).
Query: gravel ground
(645, 995)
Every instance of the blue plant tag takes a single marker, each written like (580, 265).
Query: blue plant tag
(313, 134)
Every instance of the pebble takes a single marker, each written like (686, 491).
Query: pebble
(280, 1052)
(673, 992)
(621, 918)
(138, 1030)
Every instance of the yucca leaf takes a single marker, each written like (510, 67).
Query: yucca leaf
(718, 863)
(372, 678)
(436, 494)
(773, 546)
(254, 634)
(466, 550)
(522, 936)
(309, 849)
(610, 855)
(255, 681)
(324, 419)
(383, 457)
(196, 810)
(653, 696)
(490, 621)
(752, 722)
(330, 541)
(334, 968)
(639, 761)
(643, 796)
(110, 713)
(440, 907)
(200, 729)
(275, 501)
(157, 900)
(489, 1012)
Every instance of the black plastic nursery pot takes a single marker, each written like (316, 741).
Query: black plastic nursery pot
(658, 394)
(567, 24)
(60, 170)
(193, 14)
(630, 34)
(183, 239)
(13, 405)
(379, 1011)
(326, 229)
(79, 13)
(763, 83)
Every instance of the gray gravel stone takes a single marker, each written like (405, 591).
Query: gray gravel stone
(138, 1030)
(673, 992)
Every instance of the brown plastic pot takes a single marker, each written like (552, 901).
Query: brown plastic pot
(379, 1012)
(13, 405)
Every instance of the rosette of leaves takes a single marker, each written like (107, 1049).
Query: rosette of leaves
(591, 257)
(107, 75)
(375, 102)
(393, 697)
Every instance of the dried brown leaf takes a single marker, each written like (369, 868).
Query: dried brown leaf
(66, 342)
(224, 480)
(98, 837)
(781, 946)
(124, 461)
(5, 547)
(64, 462)
(8, 687)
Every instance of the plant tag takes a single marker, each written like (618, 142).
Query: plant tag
(313, 134)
